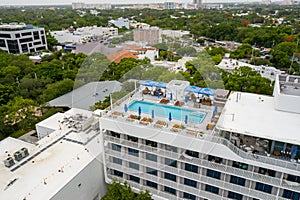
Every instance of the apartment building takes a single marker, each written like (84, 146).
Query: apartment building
(151, 35)
(183, 142)
(21, 38)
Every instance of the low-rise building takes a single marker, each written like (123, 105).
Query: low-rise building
(120, 22)
(67, 164)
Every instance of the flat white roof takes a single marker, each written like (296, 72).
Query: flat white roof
(254, 115)
(58, 158)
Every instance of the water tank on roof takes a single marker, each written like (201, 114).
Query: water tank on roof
(8, 162)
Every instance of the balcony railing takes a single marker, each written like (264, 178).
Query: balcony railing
(183, 173)
(274, 181)
(179, 187)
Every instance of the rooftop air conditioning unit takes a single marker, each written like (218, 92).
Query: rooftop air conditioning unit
(24, 152)
(8, 162)
(18, 156)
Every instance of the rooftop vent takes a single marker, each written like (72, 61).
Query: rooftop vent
(8, 162)
(22, 153)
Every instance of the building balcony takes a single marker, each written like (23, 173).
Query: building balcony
(277, 182)
(184, 174)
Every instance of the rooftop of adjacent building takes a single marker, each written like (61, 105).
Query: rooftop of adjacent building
(255, 115)
(52, 162)
(16, 27)
(86, 95)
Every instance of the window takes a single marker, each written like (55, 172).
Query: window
(118, 173)
(237, 180)
(134, 178)
(42, 32)
(170, 148)
(191, 168)
(36, 35)
(17, 35)
(211, 189)
(263, 187)
(189, 196)
(151, 157)
(4, 35)
(192, 153)
(112, 133)
(2, 43)
(240, 165)
(134, 166)
(170, 190)
(214, 159)
(266, 171)
(169, 176)
(152, 171)
(43, 40)
(13, 46)
(151, 143)
(116, 147)
(117, 160)
(37, 43)
(26, 33)
(291, 195)
(151, 184)
(190, 182)
(213, 174)
(133, 152)
(25, 40)
(24, 48)
(40, 48)
(170, 162)
(131, 138)
(293, 178)
(233, 195)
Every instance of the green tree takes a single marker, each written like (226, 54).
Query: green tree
(118, 191)
(56, 89)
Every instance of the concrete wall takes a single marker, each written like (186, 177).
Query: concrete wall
(89, 184)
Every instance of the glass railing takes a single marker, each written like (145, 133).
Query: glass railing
(182, 173)
(274, 181)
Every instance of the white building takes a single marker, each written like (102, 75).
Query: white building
(98, 6)
(175, 33)
(67, 164)
(21, 38)
(120, 22)
(246, 150)
(268, 72)
(83, 34)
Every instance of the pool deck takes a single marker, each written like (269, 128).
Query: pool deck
(194, 129)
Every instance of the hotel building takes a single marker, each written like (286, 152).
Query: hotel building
(183, 142)
(21, 38)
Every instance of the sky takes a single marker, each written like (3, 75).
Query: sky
(57, 2)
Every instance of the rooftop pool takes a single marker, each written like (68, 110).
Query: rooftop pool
(163, 110)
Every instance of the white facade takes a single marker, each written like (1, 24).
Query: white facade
(21, 38)
(99, 6)
(65, 165)
(251, 154)
(268, 72)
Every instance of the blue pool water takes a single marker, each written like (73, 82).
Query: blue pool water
(164, 110)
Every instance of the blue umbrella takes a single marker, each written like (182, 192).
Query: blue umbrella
(158, 94)
(186, 119)
(171, 96)
(139, 111)
(186, 99)
(125, 108)
(170, 116)
(152, 114)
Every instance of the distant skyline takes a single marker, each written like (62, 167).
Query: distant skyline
(60, 2)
